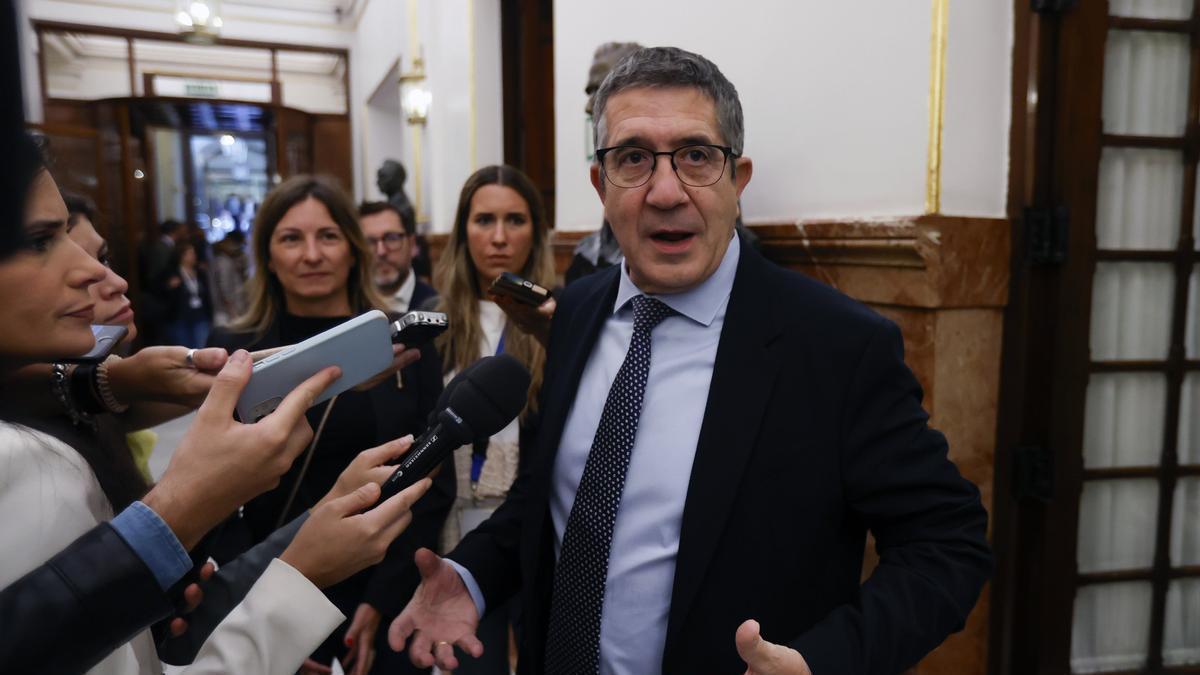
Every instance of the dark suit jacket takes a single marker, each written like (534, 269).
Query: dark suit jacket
(813, 434)
(423, 296)
(388, 585)
(93, 596)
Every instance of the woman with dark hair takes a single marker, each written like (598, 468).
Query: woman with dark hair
(312, 272)
(500, 226)
(65, 487)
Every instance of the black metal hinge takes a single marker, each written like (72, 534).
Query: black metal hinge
(1046, 234)
(1033, 473)
(1052, 6)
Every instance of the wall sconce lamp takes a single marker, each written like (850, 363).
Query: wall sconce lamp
(415, 97)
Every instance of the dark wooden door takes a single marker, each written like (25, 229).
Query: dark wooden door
(1099, 542)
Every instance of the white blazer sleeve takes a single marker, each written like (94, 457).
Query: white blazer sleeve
(280, 622)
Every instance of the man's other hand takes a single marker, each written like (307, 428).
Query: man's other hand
(767, 658)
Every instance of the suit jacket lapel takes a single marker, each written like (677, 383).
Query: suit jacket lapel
(571, 350)
(743, 376)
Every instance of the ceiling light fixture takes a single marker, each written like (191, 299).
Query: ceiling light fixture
(199, 21)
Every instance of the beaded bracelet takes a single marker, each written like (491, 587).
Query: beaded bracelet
(104, 390)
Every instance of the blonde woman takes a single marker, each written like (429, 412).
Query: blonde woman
(500, 226)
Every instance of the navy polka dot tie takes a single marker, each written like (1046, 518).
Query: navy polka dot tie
(573, 639)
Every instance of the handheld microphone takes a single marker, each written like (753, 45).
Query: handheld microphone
(480, 401)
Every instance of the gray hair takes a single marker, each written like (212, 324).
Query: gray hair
(674, 67)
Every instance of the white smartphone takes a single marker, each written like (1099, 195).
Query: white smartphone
(361, 347)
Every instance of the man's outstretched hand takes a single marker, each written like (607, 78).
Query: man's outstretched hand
(440, 615)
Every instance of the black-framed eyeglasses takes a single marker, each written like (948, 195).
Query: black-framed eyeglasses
(391, 240)
(630, 166)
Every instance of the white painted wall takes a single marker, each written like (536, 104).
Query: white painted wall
(379, 41)
(460, 41)
(978, 108)
(835, 96)
(835, 93)
(384, 126)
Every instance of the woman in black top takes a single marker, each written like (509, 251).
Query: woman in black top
(312, 273)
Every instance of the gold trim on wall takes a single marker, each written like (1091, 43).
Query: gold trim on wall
(937, 101)
(416, 129)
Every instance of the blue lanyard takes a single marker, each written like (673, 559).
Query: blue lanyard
(477, 459)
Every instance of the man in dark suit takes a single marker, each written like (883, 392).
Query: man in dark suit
(391, 232)
(718, 435)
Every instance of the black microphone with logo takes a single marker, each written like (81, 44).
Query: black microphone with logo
(480, 401)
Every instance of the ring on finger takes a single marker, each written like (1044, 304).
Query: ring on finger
(190, 358)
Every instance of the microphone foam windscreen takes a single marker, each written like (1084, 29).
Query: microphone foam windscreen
(491, 393)
(448, 390)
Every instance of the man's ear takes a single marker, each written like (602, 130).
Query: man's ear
(597, 180)
(745, 168)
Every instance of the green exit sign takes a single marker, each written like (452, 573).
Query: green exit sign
(200, 89)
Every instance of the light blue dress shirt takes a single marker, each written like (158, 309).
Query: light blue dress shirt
(153, 542)
(641, 568)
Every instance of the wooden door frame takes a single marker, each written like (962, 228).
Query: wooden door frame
(527, 55)
(1056, 143)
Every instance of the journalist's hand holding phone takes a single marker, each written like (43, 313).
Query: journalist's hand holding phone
(162, 374)
(221, 464)
(529, 319)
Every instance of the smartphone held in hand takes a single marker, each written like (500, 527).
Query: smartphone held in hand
(107, 339)
(361, 347)
(519, 289)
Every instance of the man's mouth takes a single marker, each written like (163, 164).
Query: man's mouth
(672, 236)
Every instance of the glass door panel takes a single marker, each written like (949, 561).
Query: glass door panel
(1145, 83)
(1112, 627)
(1151, 9)
(1131, 310)
(1140, 195)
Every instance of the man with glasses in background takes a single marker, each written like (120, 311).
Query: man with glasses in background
(717, 436)
(390, 233)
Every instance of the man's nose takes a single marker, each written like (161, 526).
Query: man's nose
(665, 190)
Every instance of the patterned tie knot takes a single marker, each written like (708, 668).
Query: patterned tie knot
(648, 312)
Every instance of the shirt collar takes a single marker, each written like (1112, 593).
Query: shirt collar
(700, 304)
(405, 292)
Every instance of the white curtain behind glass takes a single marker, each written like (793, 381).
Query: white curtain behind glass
(1151, 9)
(1185, 530)
(1192, 328)
(1189, 421)
(1131, 310)
(1138, 199)
(1123, 419)
(1181, 643)
(1139, 196)
(1116, 525)
(1111, 628)
(1146, 83)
